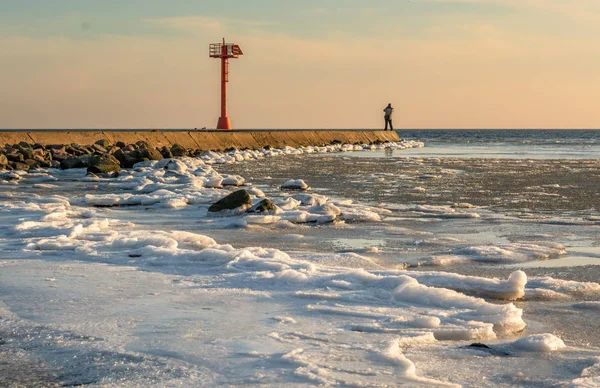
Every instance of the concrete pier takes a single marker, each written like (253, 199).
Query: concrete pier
(203, 140)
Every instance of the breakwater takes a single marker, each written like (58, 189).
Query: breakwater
(203, 140)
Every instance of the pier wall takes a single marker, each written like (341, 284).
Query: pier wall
(203, 140)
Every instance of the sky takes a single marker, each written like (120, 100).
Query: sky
(306, 64)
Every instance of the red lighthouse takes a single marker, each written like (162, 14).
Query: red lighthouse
(224, 51)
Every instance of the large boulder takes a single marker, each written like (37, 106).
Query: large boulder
(166, 152)
(72, 162)
(178, 150)
(142, 144)
(149, 153)
(236, 201)
(104, 143)
(103, 164)
(126, 159)
(3, 160)
(32, 163)
(18, 166)
(27, 153)
(15, 157)
(98, 148)
(266, 206)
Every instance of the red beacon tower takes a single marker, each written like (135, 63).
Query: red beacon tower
(224, 51)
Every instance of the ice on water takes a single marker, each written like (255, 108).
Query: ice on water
(113, 300)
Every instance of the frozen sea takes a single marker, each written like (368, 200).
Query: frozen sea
(453, 258)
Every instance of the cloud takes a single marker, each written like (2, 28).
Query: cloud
(585, 10)
(205, 23)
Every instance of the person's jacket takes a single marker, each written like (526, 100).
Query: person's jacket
(388, 111)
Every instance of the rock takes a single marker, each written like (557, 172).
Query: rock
(149, 154)
(141, 144)
(39, 152)
(120, 144)
(295, 184)
(27, 153)
(237, 200)
(103, 143)
(103, 164)
(166, 153)
(72, 162)
(264, 206)
(32, 163)
(3, 160)
(59, 156)
(178, 150)
(15, 157)
(98, 148)
(126, 159)
(37, 146)
(18, 166)
(24, 144)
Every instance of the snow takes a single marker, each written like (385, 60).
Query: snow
(136, 277)
(541, 343)
(295, 184)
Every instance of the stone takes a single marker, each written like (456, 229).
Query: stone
(59, 156)
(19, 166)
(98, 148)
(264, 206)
(15, 157)
(32, 163)
(103, 164)
(120, 144)
(37, 146)
(178, 150)
(141, 144)
(27, 153)
(103, 143)
(39, 152)
(237, 200)
(149, 154)
(166, 152)
(126, 158)
(72, 162)
(3, 160)
(24, 144)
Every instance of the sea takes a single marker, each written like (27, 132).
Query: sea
(452, 258)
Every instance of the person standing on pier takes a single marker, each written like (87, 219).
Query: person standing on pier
(388, 117)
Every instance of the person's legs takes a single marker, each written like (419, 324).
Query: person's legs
(387, 120)
(391, 126)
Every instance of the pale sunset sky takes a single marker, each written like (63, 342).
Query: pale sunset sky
(307, 63)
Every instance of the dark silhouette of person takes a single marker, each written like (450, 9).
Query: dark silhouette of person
(388, 117)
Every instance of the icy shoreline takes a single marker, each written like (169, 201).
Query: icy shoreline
(108, 289)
